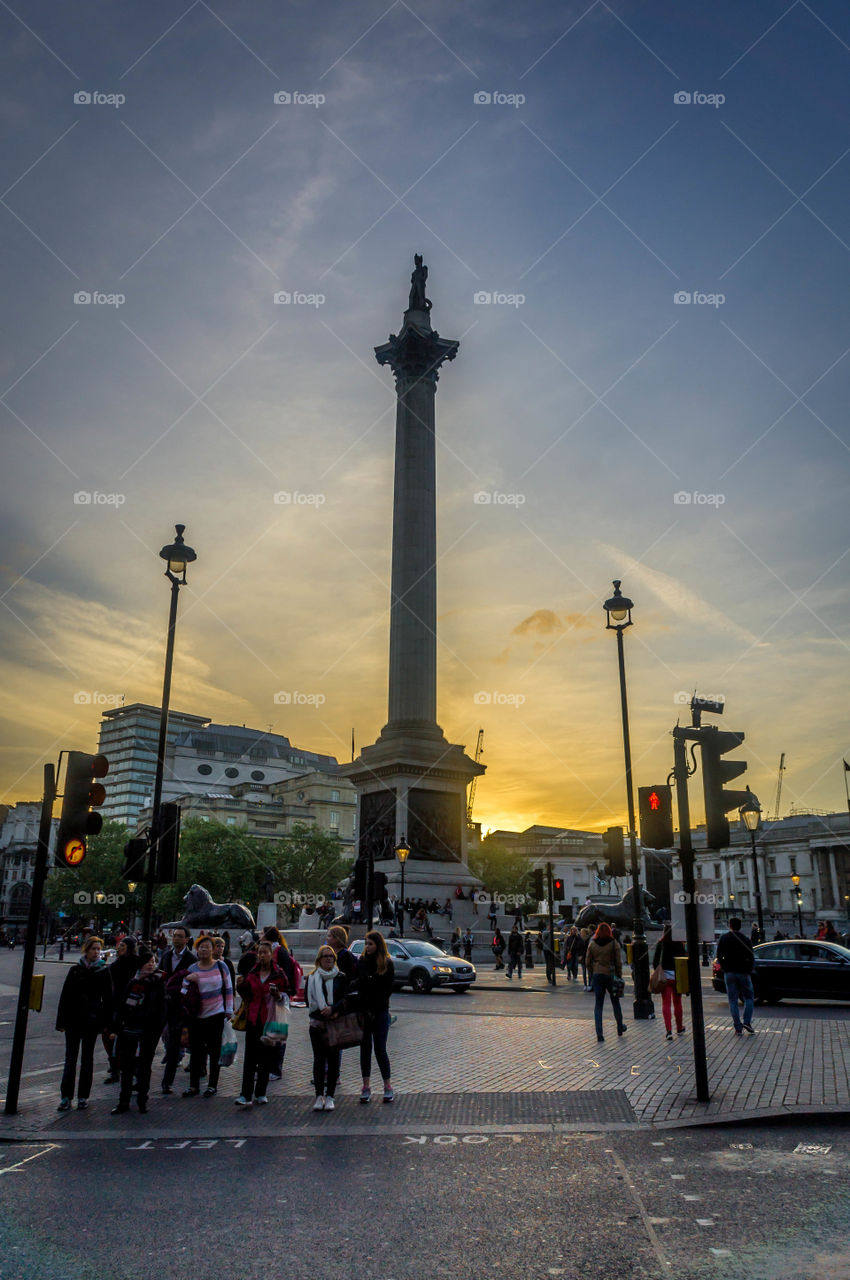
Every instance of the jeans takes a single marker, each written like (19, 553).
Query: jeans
(325, 1060)
(740, 984)
(571, 966)
(205, 1038)
(601, 982)
(375, 1031)
(173, 1050)
(135, 1053)
(257, 1063)
(76, 1040)
(515, 962)
(670, 996)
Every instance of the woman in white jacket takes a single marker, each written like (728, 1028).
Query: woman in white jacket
(326, 988)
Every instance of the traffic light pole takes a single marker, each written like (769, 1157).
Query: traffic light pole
(550, 894)
(643, 1006)
(16, 1061)
(686, 856)
(153, 848)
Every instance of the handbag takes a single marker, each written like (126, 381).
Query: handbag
(657, 981)
(344, 1032)
(227, 1053)
(239, 1021)
(618, 986)
(192, 1000)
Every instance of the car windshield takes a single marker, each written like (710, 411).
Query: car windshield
(424, 949)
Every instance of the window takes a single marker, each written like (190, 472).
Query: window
(257, 775)
(771, 866)
(205, 769)
(334, 797)
(231, 822)
(334, 820)
(792, 862)
(717, 874)
(740, 868)
(231, 773)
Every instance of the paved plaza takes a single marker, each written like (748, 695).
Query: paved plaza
(503, 1055)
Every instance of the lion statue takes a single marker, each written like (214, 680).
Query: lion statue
(620, 913)
(202, 913)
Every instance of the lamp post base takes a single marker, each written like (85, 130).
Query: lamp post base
(643, 1007)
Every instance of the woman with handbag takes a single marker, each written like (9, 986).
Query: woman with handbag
(326, 988)
(663, 979)
(498, 948)
(207, 1000)
(605, 971)
(85, 1011)
(375, 980)
(265, 984)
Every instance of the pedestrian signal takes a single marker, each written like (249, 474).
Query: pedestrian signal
(615, 854)
(655, 806)
(82, 792)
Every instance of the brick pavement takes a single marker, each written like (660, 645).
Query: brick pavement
(791, 1064)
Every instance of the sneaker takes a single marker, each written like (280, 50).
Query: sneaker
(329, 1104)
(388, 1093)
(120, 1109)
(242, 1101)
(166, 1088)
(749, 1028)
(319, 1104)
(365, 1095)
(621, 1031)
(739, 1031)
(64, 1105)
(275, 1075)
(82, 1104)
(680, 1031)
(600, 1039)
(210, 1092)
(191, 1093)
(669, 1035)
(261, 1101)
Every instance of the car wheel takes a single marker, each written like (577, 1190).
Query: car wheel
(420, 983)
(460, 991)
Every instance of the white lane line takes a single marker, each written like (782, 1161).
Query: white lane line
(642, 1210)
(54, 1146)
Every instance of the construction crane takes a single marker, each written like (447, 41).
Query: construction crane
(779, 787)
(479, 747)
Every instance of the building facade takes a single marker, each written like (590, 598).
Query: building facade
(129, 737)
(18, 845)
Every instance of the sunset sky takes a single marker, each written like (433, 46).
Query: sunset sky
(538, 157)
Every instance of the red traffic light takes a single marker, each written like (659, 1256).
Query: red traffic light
(655, 805)
(654, 800)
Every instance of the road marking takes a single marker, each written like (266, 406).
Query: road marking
(705, 1222)
(53, 1146)
(811, 1149)
(692, 1197)
(641, 1208)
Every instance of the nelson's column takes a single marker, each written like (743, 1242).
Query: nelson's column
(412, 782)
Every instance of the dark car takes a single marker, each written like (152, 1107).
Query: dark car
(797, 969)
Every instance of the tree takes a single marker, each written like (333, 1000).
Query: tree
(95, 888)
(501, 870)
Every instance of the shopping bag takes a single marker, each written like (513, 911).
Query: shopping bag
(276, 1028)
(228, 1046)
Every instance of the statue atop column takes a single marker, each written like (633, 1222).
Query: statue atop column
(417, 300)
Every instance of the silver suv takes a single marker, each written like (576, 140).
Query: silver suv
(421, 966)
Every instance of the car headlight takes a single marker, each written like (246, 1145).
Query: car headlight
(440, 968)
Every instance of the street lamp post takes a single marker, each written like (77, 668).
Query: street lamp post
(402, 852)
(177, 555)
(795, 880)
(751, 817)
(619, 616)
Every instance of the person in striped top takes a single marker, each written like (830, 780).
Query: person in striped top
(207, 1005)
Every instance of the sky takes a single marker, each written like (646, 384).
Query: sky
(636, 223)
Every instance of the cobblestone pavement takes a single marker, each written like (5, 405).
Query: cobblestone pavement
(790, 1064)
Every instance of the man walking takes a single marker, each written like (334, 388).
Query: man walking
(736, 959)
(516, 951)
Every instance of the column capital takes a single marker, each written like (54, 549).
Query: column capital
(417, 351)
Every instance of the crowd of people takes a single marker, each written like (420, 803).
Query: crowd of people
(183, 994)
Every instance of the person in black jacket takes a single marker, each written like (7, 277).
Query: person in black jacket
(666, 951)
(516, 952)
(345, 961)
(85, 1012)
(374, 985)
(137, 1023)
(736, 959)
(122, 969)
(177, 959)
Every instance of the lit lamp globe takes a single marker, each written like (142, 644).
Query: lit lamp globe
(619, 610)
(177, 555)
(750, 813)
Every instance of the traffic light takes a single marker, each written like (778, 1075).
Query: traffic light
(615, 853)
(537, 891)
(655, 805)
(557, 890)
(359, 879)
(135, 854)
(81, 793)
(715, 772)
(168, 845)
